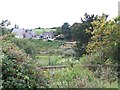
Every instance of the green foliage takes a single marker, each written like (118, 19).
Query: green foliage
(58, 31)
(103, 49)
(79, 33)
(106, 36)
(75, 28)
(46, 47)
(3, 29)
(44, 44)
(18, 69)
(12, 75)
(99, 35)
(106, 71)
(46, 60)
(76, 77)
(25, 44)
(66, 31)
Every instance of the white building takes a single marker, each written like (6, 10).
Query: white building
(19, 33)
(47, 35)
(22, 33)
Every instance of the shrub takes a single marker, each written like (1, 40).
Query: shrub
(4, 31)
(101, 67)
(18, 69)
(77, 77)
(25, 44)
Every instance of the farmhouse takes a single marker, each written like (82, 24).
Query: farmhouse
(47, 35)
(23, 33)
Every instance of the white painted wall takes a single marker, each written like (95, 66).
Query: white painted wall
(18, 33)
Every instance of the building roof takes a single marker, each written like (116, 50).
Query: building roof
(18, 31)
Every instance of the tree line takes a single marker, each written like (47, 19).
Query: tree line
(92, 33)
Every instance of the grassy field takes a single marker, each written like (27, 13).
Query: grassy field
(51, 60)
(48, 44)
(40, 31)
(46, 60)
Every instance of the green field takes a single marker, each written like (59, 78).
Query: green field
(46, 60)
(53, 60)
(40, 31)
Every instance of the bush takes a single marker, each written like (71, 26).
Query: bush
(4, 31)
(25, 44)
(76, 77)
(18, 69)
(101, 67)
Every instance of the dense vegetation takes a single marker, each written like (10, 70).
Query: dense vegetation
(18, 69)
(91, 63)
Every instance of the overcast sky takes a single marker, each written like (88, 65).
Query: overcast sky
(50, 13)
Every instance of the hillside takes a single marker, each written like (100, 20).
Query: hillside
(40, 31)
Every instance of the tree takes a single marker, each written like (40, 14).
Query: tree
(3, 25)
(58, 31)
(79, 33)
(66, 31)
(105, 38)
(74, 31)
